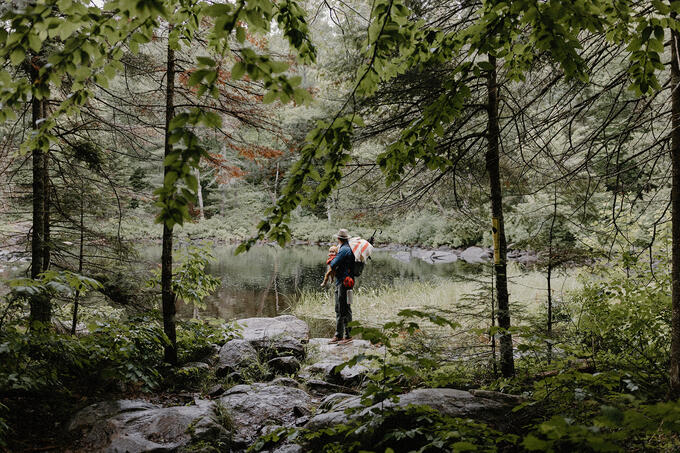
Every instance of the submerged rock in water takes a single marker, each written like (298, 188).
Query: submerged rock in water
(435, 256)
(253, 407)
(138, 426)
(476, 255)
(443, 257)
(283, 334)
(235, 354)
(403, 256)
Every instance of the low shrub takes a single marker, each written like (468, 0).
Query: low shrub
(125, 354)
(410, 429)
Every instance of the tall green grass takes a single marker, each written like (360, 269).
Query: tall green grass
(377, 305)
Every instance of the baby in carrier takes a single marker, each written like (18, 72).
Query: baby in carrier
(330, 273)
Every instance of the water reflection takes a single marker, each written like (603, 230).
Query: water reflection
(268, 280)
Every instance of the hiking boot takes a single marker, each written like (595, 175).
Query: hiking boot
(346, 340)
(335, 340)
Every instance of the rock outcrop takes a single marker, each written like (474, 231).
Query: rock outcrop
(286, 364)
(253, 407)
(317, 398)
(234, 355)
(326, 357)
(451, 402)
(282, 335)
(138, 426)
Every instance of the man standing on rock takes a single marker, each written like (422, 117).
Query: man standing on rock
(342, 265)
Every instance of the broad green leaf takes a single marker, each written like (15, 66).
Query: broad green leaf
(17, 56)
(238, 70)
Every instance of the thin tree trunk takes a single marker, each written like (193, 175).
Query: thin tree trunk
(168, 296)
(328, 213)
(199, 193)
(500, 266)
(549, 277)
(46, 215)
(493, 325)
(675, 203)
(41, 310)
(276, 183)
(74, 322)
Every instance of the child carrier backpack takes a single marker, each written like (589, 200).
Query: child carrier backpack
(362, 250)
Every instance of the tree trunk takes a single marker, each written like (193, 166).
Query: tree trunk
(199, 194)
(675, 203)
(74, 322)
(549, 277)
(168, 296)
(46, 253)
(493, 327)
(500, 253)
(41, 310)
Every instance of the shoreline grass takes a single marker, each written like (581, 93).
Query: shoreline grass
(375, 306)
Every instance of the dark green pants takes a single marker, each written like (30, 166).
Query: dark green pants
(343, 312)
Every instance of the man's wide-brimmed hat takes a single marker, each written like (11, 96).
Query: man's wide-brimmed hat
(342, 234)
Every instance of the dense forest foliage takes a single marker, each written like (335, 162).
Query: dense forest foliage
(548, 126)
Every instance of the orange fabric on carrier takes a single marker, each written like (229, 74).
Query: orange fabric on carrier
(361, 249)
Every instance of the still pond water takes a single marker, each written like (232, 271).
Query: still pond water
(268, 280)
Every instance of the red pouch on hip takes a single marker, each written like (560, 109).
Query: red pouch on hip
(348, 282)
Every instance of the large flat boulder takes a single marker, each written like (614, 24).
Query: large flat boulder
(283, 334)
(248, 411)
(451, 402)
(139, 426)
(254, 407)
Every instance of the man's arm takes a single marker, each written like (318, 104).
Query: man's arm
(342, 253)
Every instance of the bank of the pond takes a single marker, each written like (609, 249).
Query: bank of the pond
(375, 305)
